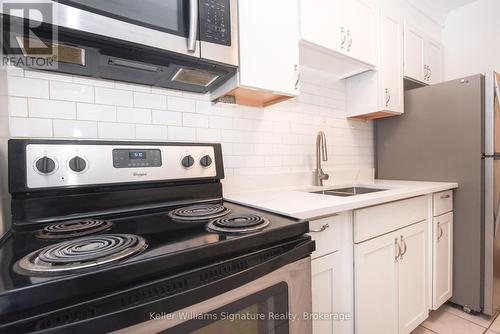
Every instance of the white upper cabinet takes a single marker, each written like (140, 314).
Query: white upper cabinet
(379, 93)
(433, 61)
(361, 27)
(414, 41)
(269, 45)
(269, 54)
(321, 23)
(339, 36)
(423, 56)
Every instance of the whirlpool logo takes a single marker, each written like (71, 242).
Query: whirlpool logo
(140, 174)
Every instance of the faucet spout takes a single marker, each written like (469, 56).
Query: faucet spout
(321, 155)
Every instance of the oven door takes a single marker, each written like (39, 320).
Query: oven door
(171, 25)
(275, 303)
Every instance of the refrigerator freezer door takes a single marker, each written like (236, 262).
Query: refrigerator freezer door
(440, 138)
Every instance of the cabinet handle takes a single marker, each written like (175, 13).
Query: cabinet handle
(297, 73)
(321, 229)
(397, 249)
(426, 72)
(440, 231)
(445, 196)
(430, 73)
(350, 40)
(387, 97)
(342, 38)
(404, 247)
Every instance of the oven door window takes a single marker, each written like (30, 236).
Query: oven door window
(171, 16)
(264, 312)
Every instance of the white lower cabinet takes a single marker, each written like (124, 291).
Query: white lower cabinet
(390, 275)
(332, 295)
(442, 285)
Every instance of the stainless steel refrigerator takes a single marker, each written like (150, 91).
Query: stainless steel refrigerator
(451, 132)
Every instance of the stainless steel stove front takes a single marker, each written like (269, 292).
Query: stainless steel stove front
(278, 302)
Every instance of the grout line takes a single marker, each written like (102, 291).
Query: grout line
(428, 329)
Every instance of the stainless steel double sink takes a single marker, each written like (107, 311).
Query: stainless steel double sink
(348, 191)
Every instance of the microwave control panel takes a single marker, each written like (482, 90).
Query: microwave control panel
(215, 20)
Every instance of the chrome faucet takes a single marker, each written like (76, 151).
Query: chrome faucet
(321, 154)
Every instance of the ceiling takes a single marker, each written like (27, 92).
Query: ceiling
(438, 9)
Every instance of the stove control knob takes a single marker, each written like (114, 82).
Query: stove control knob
(77, 164)
(206, 161)
(45, 165)
(187, 161)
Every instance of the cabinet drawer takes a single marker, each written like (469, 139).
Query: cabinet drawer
(329, 233)
(377, 220)
(442, 202)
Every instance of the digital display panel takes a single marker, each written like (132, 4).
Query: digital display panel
(137, 155)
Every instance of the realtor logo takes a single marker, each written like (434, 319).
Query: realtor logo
(28, 37)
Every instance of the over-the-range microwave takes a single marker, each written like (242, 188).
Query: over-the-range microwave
(182, 44)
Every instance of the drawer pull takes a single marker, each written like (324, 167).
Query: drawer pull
(322, 229)
(445, 196)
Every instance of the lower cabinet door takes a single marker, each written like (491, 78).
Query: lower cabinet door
(331, 295)
(442, 261)
(376, 285)
(412, 274)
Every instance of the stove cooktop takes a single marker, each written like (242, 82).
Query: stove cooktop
(170, 245)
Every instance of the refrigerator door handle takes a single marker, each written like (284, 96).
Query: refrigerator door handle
(496, 218)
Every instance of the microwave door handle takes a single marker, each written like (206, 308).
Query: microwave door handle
(193, 25)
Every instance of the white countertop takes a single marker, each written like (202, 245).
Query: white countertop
(300, 203)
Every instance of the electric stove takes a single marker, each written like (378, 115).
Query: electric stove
(103, 231)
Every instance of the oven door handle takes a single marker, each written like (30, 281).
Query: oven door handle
(134, 305)
(193, 25)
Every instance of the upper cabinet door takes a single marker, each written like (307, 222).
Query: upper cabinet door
(433, 61)
(392, 63)
(414, 42)
(361, 28)
(269, 45)
(321, 23)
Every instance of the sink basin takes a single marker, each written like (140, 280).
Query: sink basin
(349, 191)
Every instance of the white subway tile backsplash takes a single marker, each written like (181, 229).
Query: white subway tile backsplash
(18, 106)
(75, 129)
(94, 82)
(47, 76)
(254, 140)
(208, 135)
(96, 112)
(151, 132)
(181, 104)
(219, 122)
(178, 133)
(116, 130)
(71, 92)
(38, 108)
(115, 97)
(133, 115)
(195, 120)
(167, 117)
(20, 86)
(30, 127)
(146, 100)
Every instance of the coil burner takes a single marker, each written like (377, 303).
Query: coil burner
(242, 223)
(74, 229)
(82, 253)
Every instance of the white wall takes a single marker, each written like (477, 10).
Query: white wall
(255, 141)
(471, 39)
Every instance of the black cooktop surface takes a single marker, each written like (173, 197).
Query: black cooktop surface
(171, 246)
